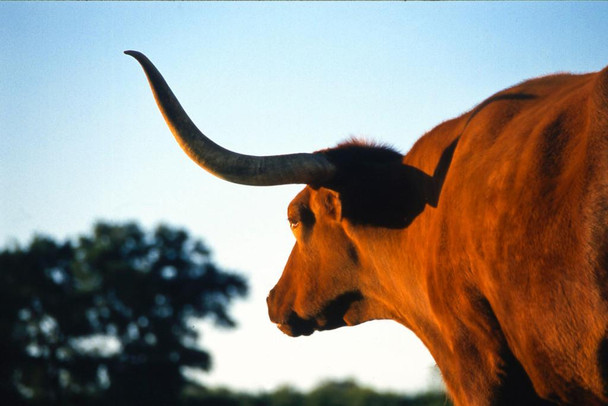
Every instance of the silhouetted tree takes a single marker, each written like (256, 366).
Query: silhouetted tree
(107, 319)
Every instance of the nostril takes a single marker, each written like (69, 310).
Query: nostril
(270, 298)
(272, 312)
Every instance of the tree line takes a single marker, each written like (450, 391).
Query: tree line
(329, 393)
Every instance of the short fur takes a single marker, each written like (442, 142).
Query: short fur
(489, 240)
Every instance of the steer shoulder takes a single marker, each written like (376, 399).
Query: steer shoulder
(518, 270)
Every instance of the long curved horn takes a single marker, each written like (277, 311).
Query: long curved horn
(225, 164)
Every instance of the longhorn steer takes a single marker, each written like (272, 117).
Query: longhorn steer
(489, 239)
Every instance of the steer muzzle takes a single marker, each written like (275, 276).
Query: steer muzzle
(331, 316)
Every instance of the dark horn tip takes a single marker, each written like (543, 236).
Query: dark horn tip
(135, 54)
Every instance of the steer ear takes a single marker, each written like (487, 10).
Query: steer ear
(328, 203)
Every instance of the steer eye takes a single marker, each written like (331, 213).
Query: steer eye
(300, 215)
(293, 223)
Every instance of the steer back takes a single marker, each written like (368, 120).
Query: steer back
(489, 239)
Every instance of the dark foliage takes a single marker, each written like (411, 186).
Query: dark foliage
(107, 319)
(342, 393)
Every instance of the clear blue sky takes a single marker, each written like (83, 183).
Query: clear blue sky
(81, 138)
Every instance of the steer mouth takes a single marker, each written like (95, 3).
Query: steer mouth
(330, 317)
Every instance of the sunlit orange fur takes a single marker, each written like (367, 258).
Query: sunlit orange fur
(502, 271)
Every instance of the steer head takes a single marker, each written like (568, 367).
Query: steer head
(317, 288)
(329, 280)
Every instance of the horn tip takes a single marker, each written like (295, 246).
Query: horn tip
(134, 54)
